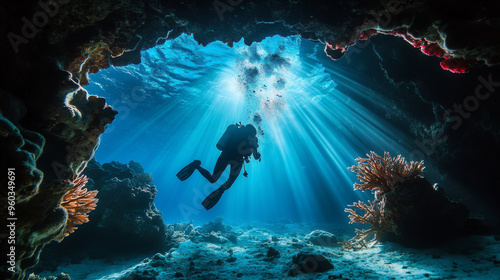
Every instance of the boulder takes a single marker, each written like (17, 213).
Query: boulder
(322, 238)
(272, 254)
(125, 221)
(309, 262)
(422, 215)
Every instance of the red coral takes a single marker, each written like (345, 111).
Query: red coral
(455, 65)
(367, 34)
(433, 49)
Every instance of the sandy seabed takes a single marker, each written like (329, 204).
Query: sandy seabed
(472, 257)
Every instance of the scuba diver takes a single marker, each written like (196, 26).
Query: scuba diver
(237, 144)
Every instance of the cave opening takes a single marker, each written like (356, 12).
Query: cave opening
(314, 117)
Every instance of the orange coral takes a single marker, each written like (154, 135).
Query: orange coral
(374, 216)
(78, 202)
(381, 174)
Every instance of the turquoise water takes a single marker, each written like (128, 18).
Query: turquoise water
(317, 117)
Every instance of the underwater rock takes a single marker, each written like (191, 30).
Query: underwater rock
(20, 150)
(212, 237)
(60, 125)
(177, 233)
(272, 254)
(406, 208)
(144, 272)
(63, 276)
(125, 221)
(216, 226)
(477, 255)
(158, 260)
(215, 232)
(139, 26)
(322, 238)
(423, 216)
(119, 170)
(309, 263)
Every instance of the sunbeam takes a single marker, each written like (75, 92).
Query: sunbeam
(313, 122)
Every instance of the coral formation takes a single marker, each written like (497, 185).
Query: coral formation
(322, 238)
(215, 232)
(405, 205)
(49, 137)
(78, 202)
(381, 174)
(455, 65)
(63, 276)
(125, 221)
(430, 48)
(374, 216)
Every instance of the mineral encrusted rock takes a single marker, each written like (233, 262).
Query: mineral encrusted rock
(322, 238)
(422, 215)
(406, 208)
(50, 129)
(125, 222)
(309, 262)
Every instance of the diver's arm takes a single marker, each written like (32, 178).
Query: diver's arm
(255, 153)
(255, 145)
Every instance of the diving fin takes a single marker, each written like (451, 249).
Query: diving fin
(213, 198)
(187, 171)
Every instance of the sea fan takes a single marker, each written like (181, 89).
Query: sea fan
(381, 174)
(374, 216)
(78, 202)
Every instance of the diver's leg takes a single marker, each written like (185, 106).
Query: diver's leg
(206, 174)
(221, 164)
(235, 171)
(214, 197)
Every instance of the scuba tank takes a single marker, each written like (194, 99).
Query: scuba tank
(221, 144)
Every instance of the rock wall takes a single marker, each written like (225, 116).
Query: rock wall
(85, 35)
(50, 129)
(125, 222)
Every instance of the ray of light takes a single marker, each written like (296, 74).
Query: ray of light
(314, 127)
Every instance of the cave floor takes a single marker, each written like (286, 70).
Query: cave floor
(474, 257)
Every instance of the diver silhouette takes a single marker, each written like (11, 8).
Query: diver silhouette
(237, 144)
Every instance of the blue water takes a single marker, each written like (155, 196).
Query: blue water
(317, 117)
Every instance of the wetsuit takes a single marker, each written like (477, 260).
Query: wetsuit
(239, 147)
